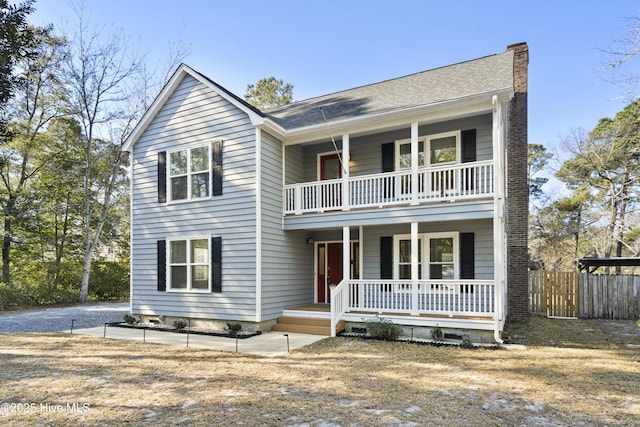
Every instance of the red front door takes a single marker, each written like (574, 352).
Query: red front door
(329, 269)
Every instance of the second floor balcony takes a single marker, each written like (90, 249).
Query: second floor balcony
(454, 182)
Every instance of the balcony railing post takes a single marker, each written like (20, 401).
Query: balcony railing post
(297, 194)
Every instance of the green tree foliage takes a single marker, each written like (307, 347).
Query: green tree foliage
(538, 157)
(269, 93)
(16, 42)
(608, 162)
(37, 100)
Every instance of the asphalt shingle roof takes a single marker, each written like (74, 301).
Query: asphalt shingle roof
(483, 75)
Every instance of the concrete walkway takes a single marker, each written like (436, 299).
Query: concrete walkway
(267, 344)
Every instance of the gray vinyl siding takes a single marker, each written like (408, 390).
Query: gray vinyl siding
(294, 170)
(195, 115)
(287, 259)
(366, 154)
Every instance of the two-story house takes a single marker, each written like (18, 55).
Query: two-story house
(406, 199)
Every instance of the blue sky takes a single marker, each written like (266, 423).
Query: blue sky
(325, 46)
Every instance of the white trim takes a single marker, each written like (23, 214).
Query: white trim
(188, 174)
(408, 141)
(344, 165)
(188, 264)
(259, 225)
(427, 147)
(414, 163)
(499, 235)
(346, 253)
(133, 164)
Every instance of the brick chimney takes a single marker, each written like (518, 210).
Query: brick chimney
(518, 189)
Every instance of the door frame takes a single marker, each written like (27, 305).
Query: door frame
(319, 162)
(316, 266)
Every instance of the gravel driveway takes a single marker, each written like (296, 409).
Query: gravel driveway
(59, 318)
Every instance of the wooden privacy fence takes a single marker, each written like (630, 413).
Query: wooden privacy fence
(584, 295)
(553, 294)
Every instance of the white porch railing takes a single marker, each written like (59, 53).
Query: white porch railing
(460, 181)
(339, 303)
(437, 297)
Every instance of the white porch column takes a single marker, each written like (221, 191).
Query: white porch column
(345, 172)
(499, 234)
(346, 253)
(361, 252)
(414, 163)
(415, 268)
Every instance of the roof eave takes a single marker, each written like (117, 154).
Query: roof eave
(427, 113)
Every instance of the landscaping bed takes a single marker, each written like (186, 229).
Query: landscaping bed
(194, 331)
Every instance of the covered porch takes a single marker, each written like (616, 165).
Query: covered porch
(422, 274)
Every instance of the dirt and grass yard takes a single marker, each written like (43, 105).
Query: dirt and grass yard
(571, 373)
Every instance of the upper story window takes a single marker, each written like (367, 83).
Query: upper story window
(433, 150)
(190, 173)
(193, 173)
(444, 148)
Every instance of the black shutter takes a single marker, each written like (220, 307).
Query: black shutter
(162, 177)
(469, 155)
(388, 165)
(216, 264)
(162, 265)
(216, 168)
(386, 257)
(388, 157)
(467, 259)
(468, 146)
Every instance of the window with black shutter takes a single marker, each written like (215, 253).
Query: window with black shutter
(467, 259)
(162, 177)
(386, 257)
(162, 265)
(216, 168)
(216, 264)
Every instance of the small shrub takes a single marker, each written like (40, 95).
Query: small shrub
(466, 342)
(130, 320)
(233, 328)
(382, 328)
(179, 324)
(437, 334)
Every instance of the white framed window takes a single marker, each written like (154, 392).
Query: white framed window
(402, 253)
(438, 256)
(443, 148)
(433, 150)
(403, 154)
(190, 173)
(189, 265)
(442, 257)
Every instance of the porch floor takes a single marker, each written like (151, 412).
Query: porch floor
(324, 310)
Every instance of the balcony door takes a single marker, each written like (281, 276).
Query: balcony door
(329, 167)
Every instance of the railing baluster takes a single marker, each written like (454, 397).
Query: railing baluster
(468, 180)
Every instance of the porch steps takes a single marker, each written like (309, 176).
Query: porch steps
(303, 325)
